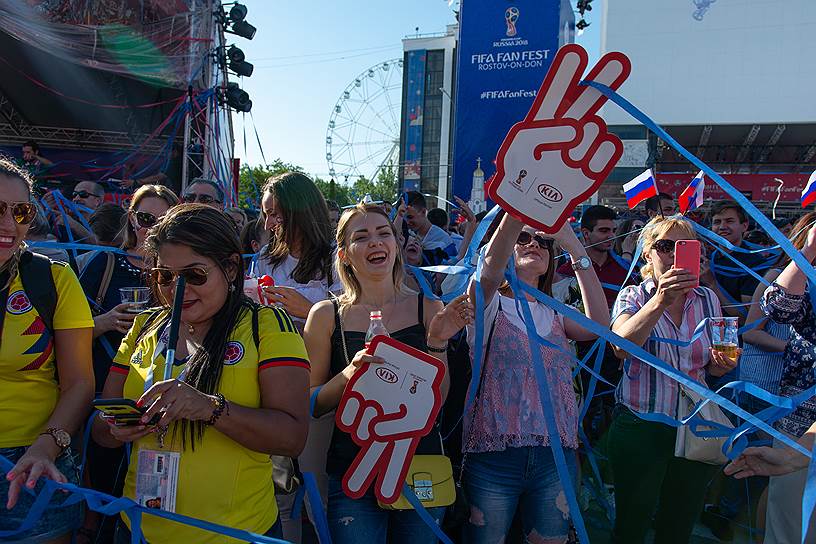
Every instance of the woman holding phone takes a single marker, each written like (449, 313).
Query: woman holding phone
(668, 303)
(239, 391)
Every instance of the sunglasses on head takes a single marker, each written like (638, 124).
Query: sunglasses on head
(525, 238)
(22, 212)
(145, 220)
(193, 275)
(664, 246)
(190, 198)
(84, 194)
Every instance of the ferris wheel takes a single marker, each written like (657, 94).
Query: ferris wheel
(364, 127)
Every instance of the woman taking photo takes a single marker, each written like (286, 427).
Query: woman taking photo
(647, 474)
(239, 388)
(369, 264)
(508, 461)
(46, 378)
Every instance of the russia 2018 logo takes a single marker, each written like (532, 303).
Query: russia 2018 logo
(18, 303)
(233, 353)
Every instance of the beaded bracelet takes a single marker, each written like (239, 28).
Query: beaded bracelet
(219, 409)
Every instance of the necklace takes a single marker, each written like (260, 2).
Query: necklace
(190, 328)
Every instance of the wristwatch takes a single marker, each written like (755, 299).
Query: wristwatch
(583, 263)
(60, 436)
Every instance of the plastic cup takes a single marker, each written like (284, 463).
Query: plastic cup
(724, 335)
(137, 297)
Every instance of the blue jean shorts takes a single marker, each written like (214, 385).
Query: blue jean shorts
(55, 521)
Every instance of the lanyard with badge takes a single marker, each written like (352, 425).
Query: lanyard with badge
(157, 470)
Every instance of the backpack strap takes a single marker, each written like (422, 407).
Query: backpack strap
(38, 284)
(256, 328)
(106, 279)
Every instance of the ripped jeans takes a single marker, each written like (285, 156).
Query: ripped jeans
(500, 482)
(362, 521)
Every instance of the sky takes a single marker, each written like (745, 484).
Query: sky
(306, 52)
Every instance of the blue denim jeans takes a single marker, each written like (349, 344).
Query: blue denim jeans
(362, 521)
(525, 479)
(55, 521)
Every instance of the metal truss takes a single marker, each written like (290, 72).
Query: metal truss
(78, 138)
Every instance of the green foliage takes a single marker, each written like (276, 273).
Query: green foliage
(253, 179)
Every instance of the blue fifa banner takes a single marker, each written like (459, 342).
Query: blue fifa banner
(414, 101)
(505, 50)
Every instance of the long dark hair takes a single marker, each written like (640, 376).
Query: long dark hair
(545, 280)
(209, 233)
(305, 220)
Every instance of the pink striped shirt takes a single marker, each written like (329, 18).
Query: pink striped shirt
(642, 388)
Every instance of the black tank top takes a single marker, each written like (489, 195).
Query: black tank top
(343, 450)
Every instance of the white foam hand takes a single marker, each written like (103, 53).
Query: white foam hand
(387, 408)
(561, 152)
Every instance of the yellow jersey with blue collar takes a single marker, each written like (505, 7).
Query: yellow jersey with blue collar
(29, 390)
(220, 481)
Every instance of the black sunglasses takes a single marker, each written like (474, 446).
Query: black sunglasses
(193, 275)
(83, 194)
(145, 220)
(664, 246)
(22, 212)
(525, 238)
(190, 198)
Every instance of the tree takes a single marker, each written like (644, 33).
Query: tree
(253, 178)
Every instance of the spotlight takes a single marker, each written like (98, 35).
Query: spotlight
(238, 12)
(582, 24)
(237, 98)
(243, 29)
(238, 64)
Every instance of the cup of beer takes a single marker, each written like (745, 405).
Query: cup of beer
(724, 335)
(137, 297)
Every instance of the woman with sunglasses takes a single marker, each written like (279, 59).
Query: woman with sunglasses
(666, 304)
(46, 378)
(369, 264)
(508, 462)
(239, 391)
(102, 278)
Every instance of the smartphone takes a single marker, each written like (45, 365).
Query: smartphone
(687, 257)
(123, 411)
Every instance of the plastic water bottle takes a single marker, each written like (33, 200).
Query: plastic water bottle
(375, 326)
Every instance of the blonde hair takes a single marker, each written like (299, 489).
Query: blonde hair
(656, 229)
(143, 192)
(351, 285)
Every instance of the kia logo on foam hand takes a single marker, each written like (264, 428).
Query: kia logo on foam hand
(386, 375)
(548, 192)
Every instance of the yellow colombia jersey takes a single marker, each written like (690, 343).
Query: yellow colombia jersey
(221, 481)
(28, 383)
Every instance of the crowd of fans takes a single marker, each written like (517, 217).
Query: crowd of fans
(236, 416)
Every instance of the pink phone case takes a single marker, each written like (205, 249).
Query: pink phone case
(687, 257)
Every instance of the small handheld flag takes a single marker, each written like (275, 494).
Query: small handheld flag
(809, 192)
(692, 196)
(639, 189)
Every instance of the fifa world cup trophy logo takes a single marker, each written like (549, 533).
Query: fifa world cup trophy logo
(510, 17)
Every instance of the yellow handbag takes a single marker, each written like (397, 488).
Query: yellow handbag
(431, 478)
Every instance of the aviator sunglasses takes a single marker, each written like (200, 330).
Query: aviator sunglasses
(193, 275)
(22, 212)
(190, 198)
(525, 238)
(83, 194)
(145, 220)
(664, 246)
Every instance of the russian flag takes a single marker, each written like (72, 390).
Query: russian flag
(692, 196)
(640, 188)
(809, 192)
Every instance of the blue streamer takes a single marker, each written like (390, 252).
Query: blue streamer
(411, 497)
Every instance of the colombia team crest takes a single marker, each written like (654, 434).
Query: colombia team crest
(233, 353)
(18, 303)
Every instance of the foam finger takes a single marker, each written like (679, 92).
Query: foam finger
(605, 155)
(612, 70)
(564, 73)
(590, 134)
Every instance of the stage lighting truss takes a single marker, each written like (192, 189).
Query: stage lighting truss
(236, 98)
(234, 21)
(234, 59)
